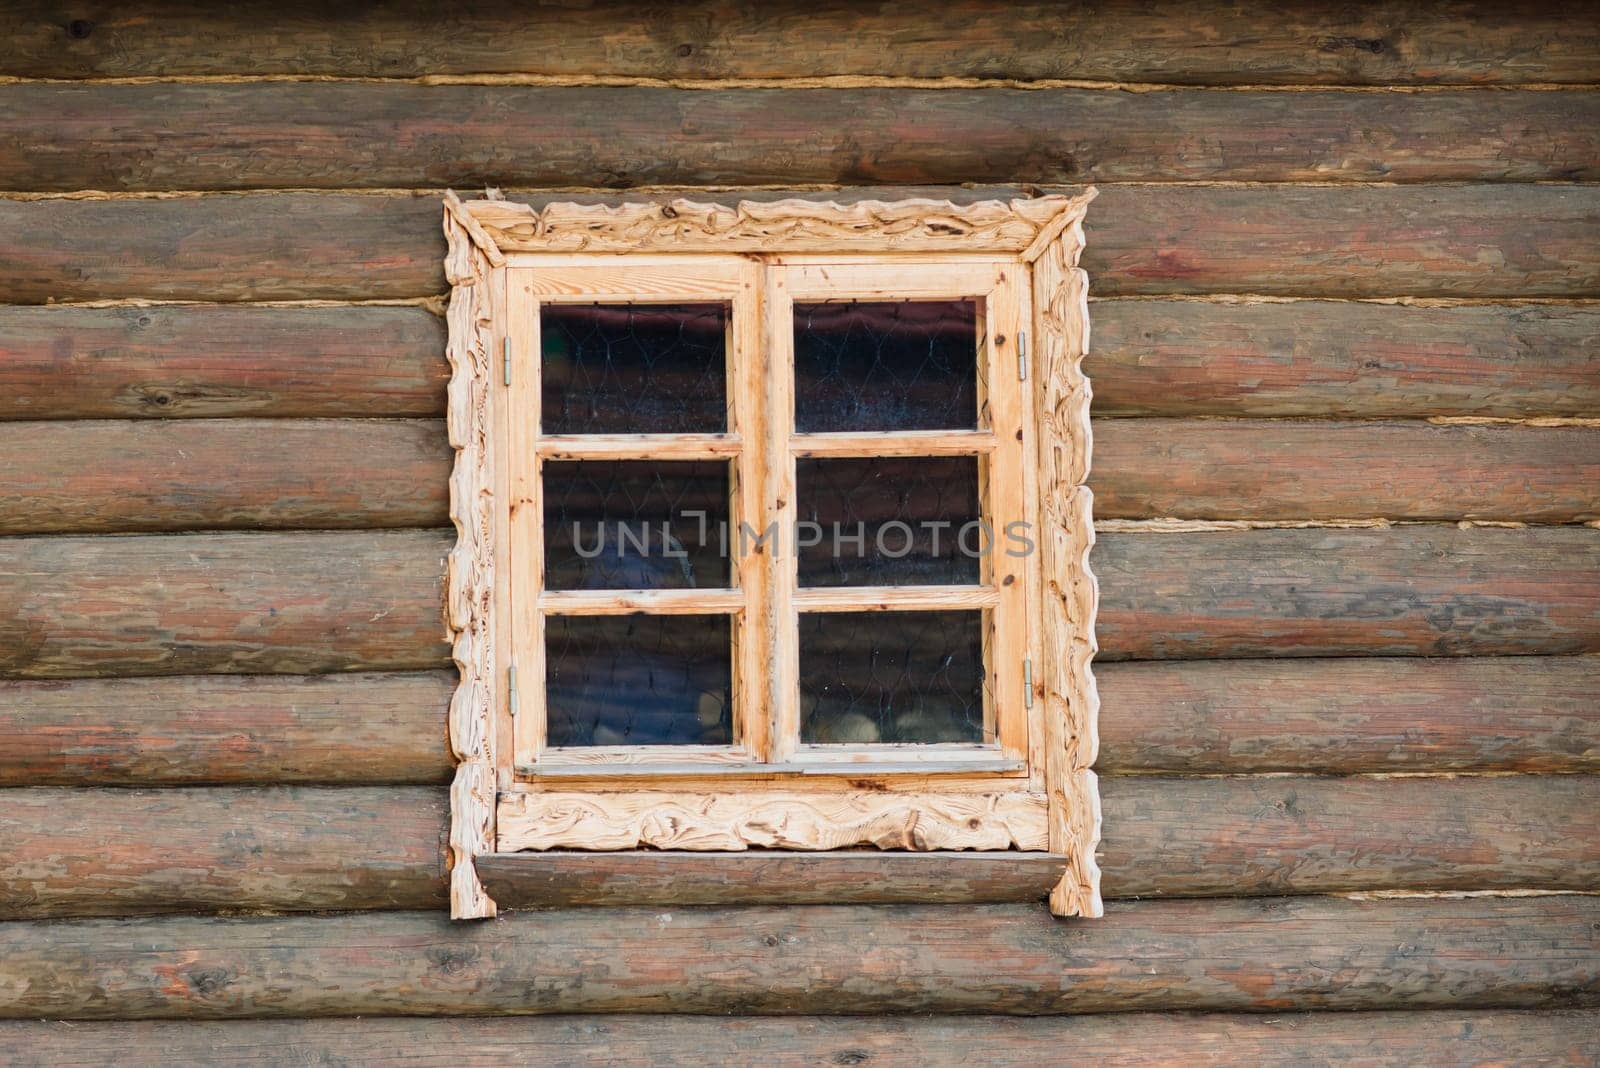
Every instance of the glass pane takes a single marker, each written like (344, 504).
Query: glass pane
(639, 680)
(869, 677)
(886, 365)
(635, 524)
(633, 368)
(889, 521)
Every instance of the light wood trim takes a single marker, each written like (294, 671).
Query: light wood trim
(470, 567)
(779, 507)
(1007, 513)
(748, 374)
(610, 759)
(624, 763)
(526, 513)
(639, 446)
(629, 602)
(775, 227)
(895, 443)
(691, 280)
(895, 598)
(1071, 595)
(895, 280)
(771, 819)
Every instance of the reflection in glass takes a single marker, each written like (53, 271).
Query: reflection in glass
(639, 680)
(886, 365)
(633, 368)
(889, 521)
(635, 524)
(885, 677)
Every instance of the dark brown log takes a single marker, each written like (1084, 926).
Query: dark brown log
(337, 135)
(1343, 358)
(1215, 837)
(1399, 1039)
(1416, 42)
(1317, 953)
(859, 877)
(1533, 714)
(386, 727)
(95, 852)
(222, 603)
(1261, 469)
(121, 852)
(1406, 591)
(1451, 240)
(192, 474)
(200, 361)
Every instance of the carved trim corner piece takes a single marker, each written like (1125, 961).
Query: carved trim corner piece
(1071, 594)
(469, 580)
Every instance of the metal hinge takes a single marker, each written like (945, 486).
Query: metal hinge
(511, 688)
(1022, 356)
(1027, 682)
(507, 361)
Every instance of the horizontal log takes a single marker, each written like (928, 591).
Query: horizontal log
(222, 603)
(1531, 714)
(189, 474)
(1398, 1039)
(386, 727)
(1262, 469)
(295, 603)
(205, 361)
(1406, 591)
(1343, 359)
(862, 877)
(1296, 954)
(89, 852)
(1416, 42)
(335, 135)
(1150, 357)
(131, 476)
(1368, 241)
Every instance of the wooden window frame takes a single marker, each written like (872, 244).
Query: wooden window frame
(1033, 792)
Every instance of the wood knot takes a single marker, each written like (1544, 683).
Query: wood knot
(79, 29)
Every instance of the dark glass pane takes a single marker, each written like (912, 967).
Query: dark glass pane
(889, 521)
(634, 524)
(868, 677)
(633, 368)
(639, 680)
(886, 365)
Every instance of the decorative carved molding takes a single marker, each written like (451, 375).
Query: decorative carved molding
(1071, 594)
(470, 573)
(767, 819)
(780, 226)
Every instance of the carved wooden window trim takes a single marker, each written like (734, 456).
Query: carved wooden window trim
(1050, 803)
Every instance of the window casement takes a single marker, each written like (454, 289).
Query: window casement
(772, 531)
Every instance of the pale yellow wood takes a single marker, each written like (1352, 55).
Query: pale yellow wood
(779, 510)
(783, 226)
(895, 598)
(770, 819)
(1007, 512)
(525, 515)
(689, 278)
(500, 423)
(615, 758)
(639, 446)
(895, 443)
(900, 280)
(889, 776)
(628, 602)
(748, 375)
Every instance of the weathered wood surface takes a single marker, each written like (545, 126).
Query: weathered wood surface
(312, 602)
(221, 603)
(362, 727)
(1262, 469)
(340, 135)
(116, 476)
(119, 476)
(1535, 714)
(1451, 240)
(1150, 357)
(1344, 358)
(565, 879)
(189, 361)
(1318, 953)
(1417, 590)
(1398, 1039)
(1416, 42)
(97, 852)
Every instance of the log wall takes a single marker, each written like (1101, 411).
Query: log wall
(1345, 270)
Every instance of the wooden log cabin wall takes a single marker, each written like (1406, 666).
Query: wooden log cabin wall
(1346, 354)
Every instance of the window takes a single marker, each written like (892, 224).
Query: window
(772, 530)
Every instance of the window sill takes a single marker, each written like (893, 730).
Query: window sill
(968, 766)
(566, 879)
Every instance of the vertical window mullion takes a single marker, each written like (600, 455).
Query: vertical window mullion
(526, 519)
(783, 684)
(747, 417)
